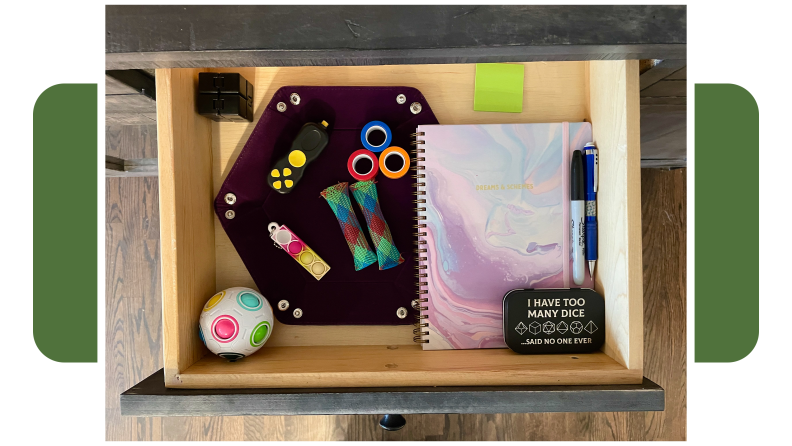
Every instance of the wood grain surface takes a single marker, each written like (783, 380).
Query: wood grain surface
(134, 328)
(133, 308)
(402, 366)
(188, 254)
(613, 105)
(169, 36)
(553, 92)
(602, 92)
(131, 141)
(664, 115)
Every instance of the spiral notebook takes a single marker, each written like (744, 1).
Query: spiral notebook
(493, 206)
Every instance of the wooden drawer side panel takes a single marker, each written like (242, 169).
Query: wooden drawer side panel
(615, 116)
(186, 217)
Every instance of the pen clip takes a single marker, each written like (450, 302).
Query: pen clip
(596, 170)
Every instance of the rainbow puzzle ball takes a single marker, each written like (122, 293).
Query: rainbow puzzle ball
(235, 323)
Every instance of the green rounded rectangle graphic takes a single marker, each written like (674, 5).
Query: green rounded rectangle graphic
(727, 223)
(64, 223)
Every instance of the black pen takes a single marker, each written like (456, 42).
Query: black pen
(577, 213)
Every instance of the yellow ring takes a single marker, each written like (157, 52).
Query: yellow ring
(388, 173)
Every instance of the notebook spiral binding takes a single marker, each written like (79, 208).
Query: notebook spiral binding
(420, 266)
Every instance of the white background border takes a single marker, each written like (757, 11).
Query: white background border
(744, 43)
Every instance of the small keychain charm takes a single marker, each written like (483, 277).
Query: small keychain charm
(288, 241)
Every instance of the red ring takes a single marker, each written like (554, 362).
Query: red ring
(369, 154)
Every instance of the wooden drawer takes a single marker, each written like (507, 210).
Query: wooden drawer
(198, 259)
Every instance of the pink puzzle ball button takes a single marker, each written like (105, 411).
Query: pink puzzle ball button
(295, 247)
(225, 329)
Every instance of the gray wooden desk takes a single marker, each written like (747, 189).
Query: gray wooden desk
(144, 37)
(252, 36)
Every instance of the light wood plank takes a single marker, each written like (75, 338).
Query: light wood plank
(554, 92)
(615, 117)
(388, 366)
(264, 428)
(187, 225)
(605, 92)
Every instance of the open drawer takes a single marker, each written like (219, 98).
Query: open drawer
(198, 259)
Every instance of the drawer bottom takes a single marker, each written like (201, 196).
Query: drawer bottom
(400, 366)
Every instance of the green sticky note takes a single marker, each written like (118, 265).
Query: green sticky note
(499, 87)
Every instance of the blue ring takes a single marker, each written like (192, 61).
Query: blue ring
(384, 145)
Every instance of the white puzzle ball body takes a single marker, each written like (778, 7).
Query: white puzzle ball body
(235, 323)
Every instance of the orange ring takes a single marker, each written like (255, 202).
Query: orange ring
(391, 151)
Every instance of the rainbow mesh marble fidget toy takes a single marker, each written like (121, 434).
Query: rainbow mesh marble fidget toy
(365, 193)
(338, 199)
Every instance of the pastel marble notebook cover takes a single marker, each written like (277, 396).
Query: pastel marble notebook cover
(497, 206)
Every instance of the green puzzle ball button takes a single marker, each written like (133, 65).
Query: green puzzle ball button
(260, 334)
(297, 158)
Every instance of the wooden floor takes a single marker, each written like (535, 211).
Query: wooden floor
(134, 341)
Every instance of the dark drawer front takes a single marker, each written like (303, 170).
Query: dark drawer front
(151, 398)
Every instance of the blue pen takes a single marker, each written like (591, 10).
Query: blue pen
(592, 184)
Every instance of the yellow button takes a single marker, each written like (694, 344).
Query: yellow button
(276, 184)
(275, 173)
(297, 158)
(306, 257)
(286, 172)
(289, 183)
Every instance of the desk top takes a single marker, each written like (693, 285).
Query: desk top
(298, 35)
